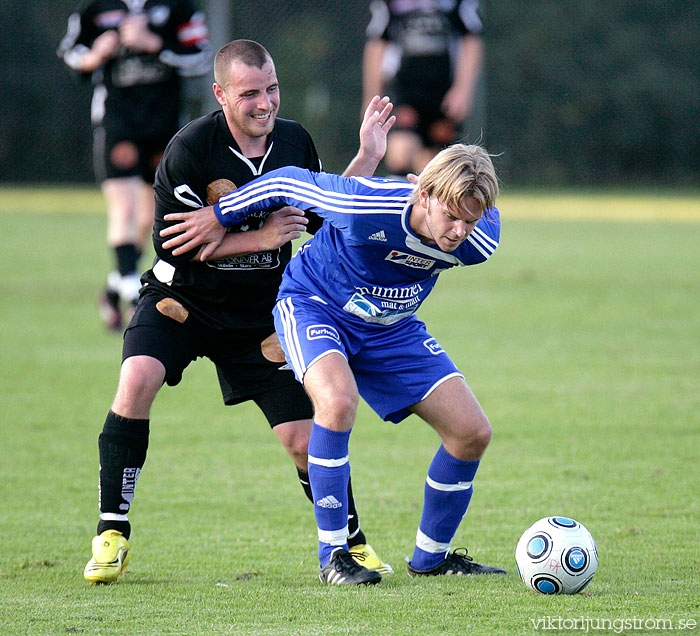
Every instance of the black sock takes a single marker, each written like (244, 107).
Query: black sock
(356, 536)
(120, 526)
(305, 484)
(123, 444)
(127, 258)
(112, 296)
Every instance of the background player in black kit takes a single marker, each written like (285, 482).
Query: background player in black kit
(136, 52)
(430, 53)
(222, 308)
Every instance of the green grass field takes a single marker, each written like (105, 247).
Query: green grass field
(581, 338)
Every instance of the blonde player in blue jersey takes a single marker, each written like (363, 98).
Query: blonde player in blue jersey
(346, 320)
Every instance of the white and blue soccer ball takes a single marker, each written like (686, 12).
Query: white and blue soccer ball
(556, 555)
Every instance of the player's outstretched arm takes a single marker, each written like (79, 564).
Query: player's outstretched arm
(376, 123)
(195, 228)
(280, 227)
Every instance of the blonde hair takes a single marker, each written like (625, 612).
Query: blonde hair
(457, 173)
(247, 51)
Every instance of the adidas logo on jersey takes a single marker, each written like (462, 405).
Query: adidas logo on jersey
(329, 502)
(378, 236)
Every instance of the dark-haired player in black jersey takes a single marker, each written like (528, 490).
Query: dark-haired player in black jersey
(136, 52)
(222, 308)
(429, 55)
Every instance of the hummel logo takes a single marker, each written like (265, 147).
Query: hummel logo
(378, 236)
(329, 502)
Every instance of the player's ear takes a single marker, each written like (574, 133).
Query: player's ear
(219, 93)
(423, 197)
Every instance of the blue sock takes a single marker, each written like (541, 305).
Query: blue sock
(448, 490)
(329, 472)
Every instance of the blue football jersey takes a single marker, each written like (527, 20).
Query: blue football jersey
(365, 259)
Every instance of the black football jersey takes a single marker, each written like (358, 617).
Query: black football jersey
(424, 36)
(137, 94)
(234, 292)
(424, 27)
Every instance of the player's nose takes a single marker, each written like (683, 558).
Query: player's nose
(264, 102)
(460, 228)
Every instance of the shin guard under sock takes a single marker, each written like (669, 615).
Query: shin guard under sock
(448, 491)
(123, 444)
(355, 535)
(329, 472)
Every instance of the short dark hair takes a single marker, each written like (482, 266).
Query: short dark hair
(247, 51)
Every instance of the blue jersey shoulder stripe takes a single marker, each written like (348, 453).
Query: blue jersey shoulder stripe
(261, 184)
(299, 191)
(305, 200)
(485, 237)
(484, 251)
(269, 189)
(378, 183)
(482, 242)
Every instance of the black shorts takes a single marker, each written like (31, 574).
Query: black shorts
(244, 373)
(418, 91)
(117, 154)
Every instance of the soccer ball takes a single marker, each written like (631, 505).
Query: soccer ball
(556, 555)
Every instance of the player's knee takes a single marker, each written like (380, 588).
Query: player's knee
(480, 436)
(470, 440)
(124, 155)
(337, 411)
(299, 454)
(295, 439)
(139, 381)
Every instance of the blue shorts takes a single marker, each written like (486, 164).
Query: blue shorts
(394, 366)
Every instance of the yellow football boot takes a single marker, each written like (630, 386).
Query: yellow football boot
(365, 555)
(110, 556)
